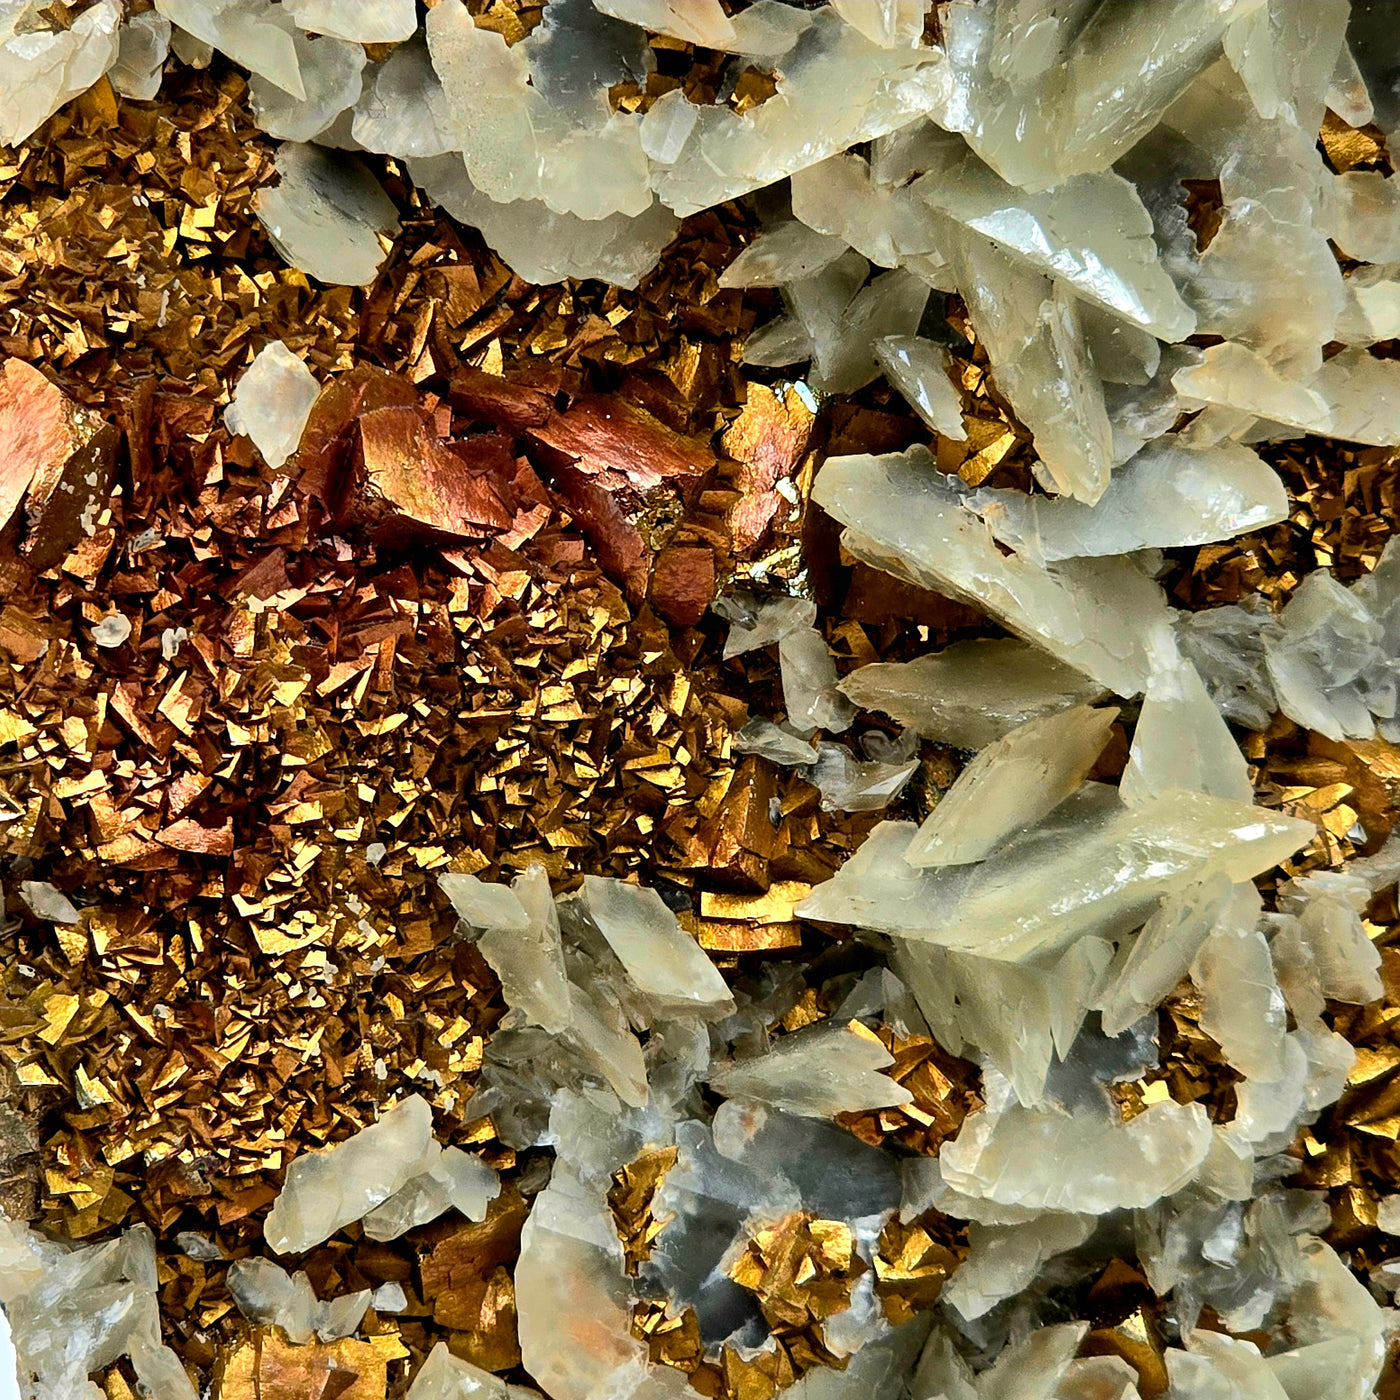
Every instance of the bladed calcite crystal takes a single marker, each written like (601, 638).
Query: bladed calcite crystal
(330, 1189)
(327, 214)
(41, 69)
(1012, 783)
(970, 693)
(902, 515)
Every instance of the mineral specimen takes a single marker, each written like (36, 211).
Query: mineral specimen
(272, 402)
(327, 214)
(327, 1190)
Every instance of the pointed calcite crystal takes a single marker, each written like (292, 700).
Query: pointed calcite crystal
(327, 1190)
(819, 1072)
(41, 69)
(1011, 784)
(327, 214)
(971, 693)
(904, 516)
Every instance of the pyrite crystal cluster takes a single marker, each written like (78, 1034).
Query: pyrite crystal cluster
(962, 1017)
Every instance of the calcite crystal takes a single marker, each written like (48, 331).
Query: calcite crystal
(272, 402)
(328, 1190)
(903, 515)
(327, 214)
(41, 69)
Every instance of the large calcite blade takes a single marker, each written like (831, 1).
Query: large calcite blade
(1168, 495)
(1092, 233)
(970, 693)
(1088, 1162)
(543, 245)
(836, 90)
(1035, 338)
(255, 33)
(1010, 784)
(1152, 962)
(904, 516)
(1093, 867)
(1094, 81)
(327, 1190)
(41, 70)
(819, 1072)
(1182, 741)
(663, 961)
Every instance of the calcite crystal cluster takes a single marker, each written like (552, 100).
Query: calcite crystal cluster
(1033, 158)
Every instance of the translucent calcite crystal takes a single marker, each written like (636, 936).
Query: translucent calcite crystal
(1004, 1259)
(327, 1190)
(1366, 214)
(661, 959)
(773, 742)
(970, 693)
(1108, 865)
(757, 623)
(1012, 783)
(543, 245)
(1088, 1162)
(255, 33)
(836, 89)
(143, 44)
(1242, 1006)
(267, 1294)
(331, 72)
(1091, 233)
(851, 784)
(1151, 963)
(906, 517)
(40, 69)
(360, 21)
(402, 109)
(272, 401)
(1046, 93)
(784, 252)
(919, 370)
(444, 1376)
(74, 1311)
(1035, 336)
(1167, 495)
(455, 1181)
(819, 1072)
(809, 679)
(327, 214)
(1182, 741)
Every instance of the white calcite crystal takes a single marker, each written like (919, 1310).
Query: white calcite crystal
(360, 21)
(41, 69)
(663, 961)
(809, 684)
(332, 1188)
(851, 784)
(1151, 963)
(74, 1311)
(1366, 216)
(1108, 865)
(783, 252)
(1004, 1259)
(775, 743)
(446, 1377)
(971, 693)
(818, 1072)
(1086, 1162)
(272, 401)
(1167, 495)
(144, 44)
(255, 33)
(1090, 233)
(402, 109)
(1242, 1006)
(919, 370)
(331, 72)
(327, 214)
(1182, 741)
(879, 89)
(266, 1293)
(1012, 783)
(1034, 332)
(904, 516)
(755, 623)
(455, 1181)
